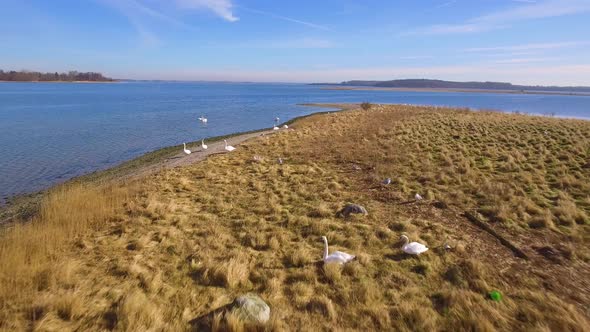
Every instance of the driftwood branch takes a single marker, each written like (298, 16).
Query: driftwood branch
(475, 220)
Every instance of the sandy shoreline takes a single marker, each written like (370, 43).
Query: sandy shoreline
(25, 205)
(525, 92)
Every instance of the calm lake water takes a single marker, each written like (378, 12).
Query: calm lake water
(52, 132)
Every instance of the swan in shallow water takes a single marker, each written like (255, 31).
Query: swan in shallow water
(338, 257)
(418, 197)
(228, 147)
(203, 145)
(412, 248)
(187, 151)
(203, 119)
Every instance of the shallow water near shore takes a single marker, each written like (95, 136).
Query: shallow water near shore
(52, 132)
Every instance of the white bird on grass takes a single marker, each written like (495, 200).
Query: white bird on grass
(412, 248)
(228, 148)
(187, 151)
(275, 128)
(338, 257)
(203, 119)
(418, 197)
(285, 127)
(203, 145)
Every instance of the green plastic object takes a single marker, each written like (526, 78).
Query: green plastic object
(496, 296)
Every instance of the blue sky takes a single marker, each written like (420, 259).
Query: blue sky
(520, 41)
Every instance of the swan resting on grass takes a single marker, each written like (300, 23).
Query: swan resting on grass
(187, 151)
(228, 148)
(338, 257)
(412, 248)
(418, 197)
(203, 145)
(285, 127)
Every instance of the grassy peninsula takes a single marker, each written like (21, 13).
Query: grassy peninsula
(506, 208)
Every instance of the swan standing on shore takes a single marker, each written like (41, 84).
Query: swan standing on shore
(338, 257)
(203, 119)
(228, 148)
(187, 151)
(412, 248)
(203, 145)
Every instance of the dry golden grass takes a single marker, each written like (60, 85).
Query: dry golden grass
(194, 238)
(31, 254)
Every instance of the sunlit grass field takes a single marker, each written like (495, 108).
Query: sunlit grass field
(161, 252)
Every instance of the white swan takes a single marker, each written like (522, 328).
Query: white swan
(275, 128)
(187, 151)
(203, 145)
(203, 119)
(285, 127)
(413, 248)
(338, 257)
(418, 197)
(228, 148)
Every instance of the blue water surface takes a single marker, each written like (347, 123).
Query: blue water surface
(51, 132)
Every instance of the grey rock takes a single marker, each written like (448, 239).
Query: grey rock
(251, 308)
(352, 209)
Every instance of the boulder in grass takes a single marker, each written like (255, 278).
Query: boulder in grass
(248, 308)
(351, 208)
(251, 308)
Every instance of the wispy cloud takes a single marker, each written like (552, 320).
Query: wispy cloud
(525, 10)
(285, 43)
(446, 4)
(416, 57)
(140, 14)
(222, 8)
(525, 60)
(301, 43)
(285, 18)
(529, 47)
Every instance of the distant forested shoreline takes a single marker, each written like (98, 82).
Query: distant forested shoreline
(440, 84)
(33, 76)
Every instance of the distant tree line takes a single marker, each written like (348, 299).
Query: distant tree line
(33, 76)
(440, 84)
